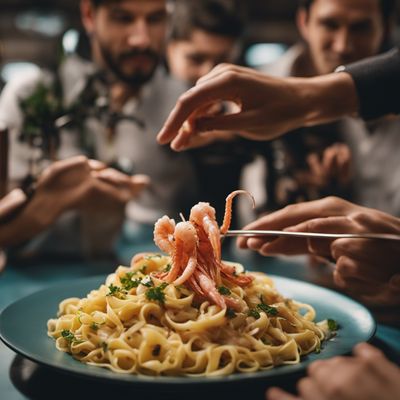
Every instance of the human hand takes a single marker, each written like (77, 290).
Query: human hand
(368, 375)
(74, 183)
(334, 167)
(359, 268)
(268, 106)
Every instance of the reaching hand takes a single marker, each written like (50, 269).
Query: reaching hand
(368, 375)
(268, 106)
(363, 267)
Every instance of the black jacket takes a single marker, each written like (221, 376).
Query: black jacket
(377, 81)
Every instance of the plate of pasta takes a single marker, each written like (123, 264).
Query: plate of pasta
(185, 317)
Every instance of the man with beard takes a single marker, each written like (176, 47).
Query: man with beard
(334, 33)
(111, 110)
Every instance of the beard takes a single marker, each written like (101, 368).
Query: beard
(138, 76)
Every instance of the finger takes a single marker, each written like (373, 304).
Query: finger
(297, 213)
(279, 394)
(96, 165)
(216, 89)
(370, 253)
(356, 286)
(309, 390)
(367, 351)
(285, 246)
(351, 268)
(59, 167)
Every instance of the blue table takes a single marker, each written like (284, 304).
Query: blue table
(19, 281)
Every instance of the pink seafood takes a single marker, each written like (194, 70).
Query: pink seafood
(195, 249)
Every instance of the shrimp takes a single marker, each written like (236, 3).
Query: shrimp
(208, 287)
(164, 230)
(184, 259)
(228, 209)
(203, 215)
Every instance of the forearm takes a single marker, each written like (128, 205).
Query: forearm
(326, 98)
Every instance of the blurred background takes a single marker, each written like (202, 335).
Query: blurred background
(37, 32)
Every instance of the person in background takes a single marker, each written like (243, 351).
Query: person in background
(111, 109)
(203, 34)
(334, 33)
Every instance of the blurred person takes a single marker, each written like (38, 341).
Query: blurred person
(118, 101)
(203, 34)
(337, 32)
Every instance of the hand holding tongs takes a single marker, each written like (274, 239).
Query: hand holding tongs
(315, 235)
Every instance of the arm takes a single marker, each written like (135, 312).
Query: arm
(271, 106)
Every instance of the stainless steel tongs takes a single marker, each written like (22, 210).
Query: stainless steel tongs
(315, 235)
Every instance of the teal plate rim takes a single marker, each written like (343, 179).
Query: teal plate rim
(356, 325)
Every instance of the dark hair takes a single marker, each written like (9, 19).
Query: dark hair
(98, 3)
(387, 7)
(219, 17)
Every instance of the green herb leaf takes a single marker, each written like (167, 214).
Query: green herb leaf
(128, 283)
(267, 309)
(332, 325)
(230, 313)
(69, 336)
(224, 290)
(167, 268)
(157, 293)
(253, 313)
(147, 281)
(116, 291)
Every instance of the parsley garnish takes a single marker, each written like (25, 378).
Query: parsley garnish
(157, 293)
(147, 282)
(69, 336)
(224, 290)
(167, 268)
(116, 291)
(143, 269)
(332, 325)
(267, 309)
(230, 313)
(253, 313)
(104, 346)
(318, 349)
(128, 283)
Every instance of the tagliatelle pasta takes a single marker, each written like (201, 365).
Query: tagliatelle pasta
(186, 313)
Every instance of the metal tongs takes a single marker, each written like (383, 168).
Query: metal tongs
(315, 235)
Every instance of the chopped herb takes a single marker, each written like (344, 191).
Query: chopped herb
(147, 282)
(230, 313)
(318, 349)
(104, 346)
(116, 291)
(167, 268)
(224, 290)
(266, 341)
(332, 325)
(267, 309)
(157, 293)
(94, 326)
(128, 283)
(253, 313)
(69, 336)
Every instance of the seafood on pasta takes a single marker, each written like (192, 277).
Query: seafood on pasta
(187, 312)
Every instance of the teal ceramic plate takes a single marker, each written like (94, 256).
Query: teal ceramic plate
(23, 328)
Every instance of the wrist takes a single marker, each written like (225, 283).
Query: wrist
(326, 98)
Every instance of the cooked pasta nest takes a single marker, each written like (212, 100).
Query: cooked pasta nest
(138, 324)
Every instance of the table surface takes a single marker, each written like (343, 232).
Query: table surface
(19, 281)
